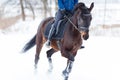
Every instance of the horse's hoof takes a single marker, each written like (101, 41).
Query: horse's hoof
(49, 70)
(35, 66)
(66, 78)
(65, 74)
(35, 71)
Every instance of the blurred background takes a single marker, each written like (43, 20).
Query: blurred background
(99, 60)
(105, 22)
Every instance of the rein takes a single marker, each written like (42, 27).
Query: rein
(82, 28)
(72, 23)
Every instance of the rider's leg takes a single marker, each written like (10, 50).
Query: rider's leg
(51, 32)
(58, 17)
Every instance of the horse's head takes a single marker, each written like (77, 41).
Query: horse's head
(83, 18)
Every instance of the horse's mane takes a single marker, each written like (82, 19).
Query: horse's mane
(81, 6)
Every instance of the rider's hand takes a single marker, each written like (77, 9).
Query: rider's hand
(63, 11)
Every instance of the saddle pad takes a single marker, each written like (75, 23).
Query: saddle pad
(60, 30)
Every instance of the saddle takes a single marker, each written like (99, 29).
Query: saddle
(59, 31)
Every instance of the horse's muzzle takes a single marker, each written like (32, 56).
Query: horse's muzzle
(84, 35)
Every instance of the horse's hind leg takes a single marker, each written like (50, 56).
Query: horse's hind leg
(49, 54)
(39, 45)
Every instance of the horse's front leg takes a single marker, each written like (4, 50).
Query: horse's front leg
(68, 69)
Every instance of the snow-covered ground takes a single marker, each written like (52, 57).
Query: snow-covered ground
(99, 60)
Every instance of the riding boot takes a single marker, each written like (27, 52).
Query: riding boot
(51, 32)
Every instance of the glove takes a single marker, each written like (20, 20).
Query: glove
(63, 11)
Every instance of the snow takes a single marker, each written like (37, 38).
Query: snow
(99, 60)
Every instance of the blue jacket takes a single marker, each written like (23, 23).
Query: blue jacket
(67, 4)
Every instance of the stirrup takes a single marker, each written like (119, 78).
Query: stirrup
(48, 43)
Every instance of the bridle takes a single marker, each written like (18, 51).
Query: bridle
(72, 23)
(81, 28)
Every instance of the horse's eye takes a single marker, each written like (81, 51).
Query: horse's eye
(83, 17)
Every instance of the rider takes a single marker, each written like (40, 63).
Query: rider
(64, 6)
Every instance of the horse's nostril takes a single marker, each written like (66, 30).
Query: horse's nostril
(85, 37)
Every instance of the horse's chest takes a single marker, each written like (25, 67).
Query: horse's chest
(74, 42)
(72, 39)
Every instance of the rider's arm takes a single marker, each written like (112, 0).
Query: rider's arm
(61, 5)
(76, 1)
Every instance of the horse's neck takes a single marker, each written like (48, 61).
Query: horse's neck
(72, 30)
(74, 19)
(73, 34)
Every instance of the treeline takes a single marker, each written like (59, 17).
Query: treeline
(44, 5)
(47, 7)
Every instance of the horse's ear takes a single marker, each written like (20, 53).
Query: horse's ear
(76, 7)
(91, 6)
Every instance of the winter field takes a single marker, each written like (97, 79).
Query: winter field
(99, 60)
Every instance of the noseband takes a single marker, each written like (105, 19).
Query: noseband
(87, 14)
(82, 28)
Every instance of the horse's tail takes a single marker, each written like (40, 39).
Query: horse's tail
(30, 44)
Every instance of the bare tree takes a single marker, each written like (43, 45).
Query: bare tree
(56, 3)
(45, 3)
(1, 11)
(49, 9)
(30, 7)
(22, 9)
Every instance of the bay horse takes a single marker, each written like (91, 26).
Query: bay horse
(77, 29)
